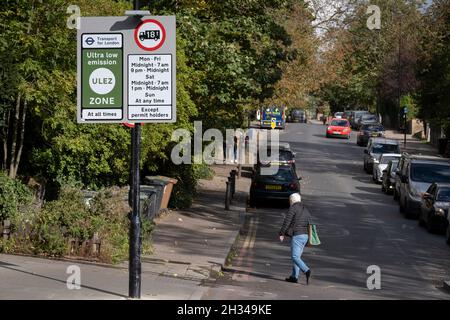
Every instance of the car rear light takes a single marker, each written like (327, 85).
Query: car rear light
(293, 186)
(291, 161)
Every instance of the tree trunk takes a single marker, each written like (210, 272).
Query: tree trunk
(12, 151)
(22, 134)
(5, 140)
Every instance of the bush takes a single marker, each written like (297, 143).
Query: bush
(14, 197)
(49, 231)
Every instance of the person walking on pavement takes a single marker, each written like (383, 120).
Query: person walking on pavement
(295, 225)
(235, 149)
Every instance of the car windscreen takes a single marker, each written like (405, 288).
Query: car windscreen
(385, 148)
(372, 127)
(285, 155)
(339, 123)
(443, 195)
(368, 117)
(284, 174)
(385, 160)
(429, 173)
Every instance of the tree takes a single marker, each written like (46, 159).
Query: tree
(434, 73)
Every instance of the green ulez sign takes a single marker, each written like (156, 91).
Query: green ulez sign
(101, 73)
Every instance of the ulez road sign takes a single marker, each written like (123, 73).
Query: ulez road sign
(126, 69)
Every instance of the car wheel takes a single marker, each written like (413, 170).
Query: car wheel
(421, 221)
(396, 197)
(401, 207)
(448, 234)
(431, 227)
(407, 211)
(388, 190)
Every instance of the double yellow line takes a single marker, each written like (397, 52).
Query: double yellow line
(249, 242)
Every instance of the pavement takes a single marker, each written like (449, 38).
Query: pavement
(190, 247)
(196, 242)
(413, 145)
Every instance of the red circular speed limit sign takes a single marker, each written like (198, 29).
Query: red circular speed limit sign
(150, 35)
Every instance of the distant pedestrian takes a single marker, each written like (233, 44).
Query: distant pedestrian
(295, 225)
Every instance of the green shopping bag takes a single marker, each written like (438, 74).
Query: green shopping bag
(313, 237)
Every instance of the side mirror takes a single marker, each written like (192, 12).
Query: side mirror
(366, 151)
(300, 179)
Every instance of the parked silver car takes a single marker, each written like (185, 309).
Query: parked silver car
(375, 148)
(415, 175)
(381, 164)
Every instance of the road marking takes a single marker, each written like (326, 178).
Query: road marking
(251, 235)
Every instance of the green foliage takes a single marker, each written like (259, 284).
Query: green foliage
(70, 214)
(49, 231)
(434, 73)
(229, 56)
(14, 196)
(364, 67)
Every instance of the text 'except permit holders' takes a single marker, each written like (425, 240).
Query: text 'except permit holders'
(153, 112)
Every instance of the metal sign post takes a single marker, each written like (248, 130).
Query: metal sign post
(405, 112)
(127, 74)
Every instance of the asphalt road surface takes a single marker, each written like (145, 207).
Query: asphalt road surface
(358, 225)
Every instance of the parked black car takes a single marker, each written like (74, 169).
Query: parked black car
(285, 155)
(279, 185)
(366, 118)
(368, 130)
(434, 207)
(355, 117)
(298, 115)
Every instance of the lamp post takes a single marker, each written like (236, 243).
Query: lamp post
(134, 285)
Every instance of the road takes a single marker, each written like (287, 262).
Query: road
(358, 225)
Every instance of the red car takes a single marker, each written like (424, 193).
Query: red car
(339, 128)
